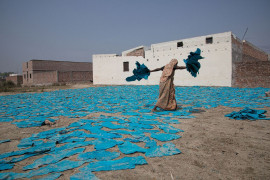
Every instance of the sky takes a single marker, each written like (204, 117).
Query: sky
(74, 30)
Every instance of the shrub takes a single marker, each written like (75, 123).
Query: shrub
(10, 84)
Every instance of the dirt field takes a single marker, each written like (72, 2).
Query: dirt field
(39, 89)
(212, 146)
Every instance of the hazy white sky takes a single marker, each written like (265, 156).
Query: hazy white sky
(74, 30)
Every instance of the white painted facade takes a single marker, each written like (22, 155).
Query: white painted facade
(216, 67)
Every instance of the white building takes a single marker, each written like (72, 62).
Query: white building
(218, 51)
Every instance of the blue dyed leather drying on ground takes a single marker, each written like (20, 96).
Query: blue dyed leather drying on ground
(6, 166)
(166, 149)
(72, 145)
(75, 139)
(84, 176)
(141, 72)
(26, 124)
(180, 113)
(103, 144)
(138, 139)
(134, 102)
(6, 119)
(169, 129)
(5, 140)
(148, 122)
(161, 112)
(47, 134)
(247, 113)
(7, 175)
(99, 155)
(164, 136)
(62, 138)
(120, 164)
(151, 143)
(75, 124)
(126, 132)
(33, 150)
(144, 110)
(53, 158)
(52, 176)
(130, 148)
(96, 132)
(131, 114)
(28, 142)
(171, 121)
(23, 157)
(150, 116)
(111, 125)
(93, 129)
(58, 167)
(139, 125)
(192, 63)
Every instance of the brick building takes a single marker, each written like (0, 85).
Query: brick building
(15, 78)
(250, 65)
(47, 72)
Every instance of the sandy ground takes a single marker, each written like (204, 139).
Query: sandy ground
(212, 146)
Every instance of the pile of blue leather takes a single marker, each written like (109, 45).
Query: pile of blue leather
(131, 126)
(247, 113)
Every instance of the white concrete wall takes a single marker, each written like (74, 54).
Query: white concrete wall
(109, 70)
(216, 67)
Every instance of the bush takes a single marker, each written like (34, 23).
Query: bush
(5, 86)
(10, 84)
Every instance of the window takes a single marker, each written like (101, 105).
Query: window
(27, 65)
(180, 44)
(126, 66)
(209, 40)
(30, 76)
(24, 76)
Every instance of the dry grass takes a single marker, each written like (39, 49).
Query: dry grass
(5, 90)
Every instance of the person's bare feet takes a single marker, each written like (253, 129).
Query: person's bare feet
(154, 109)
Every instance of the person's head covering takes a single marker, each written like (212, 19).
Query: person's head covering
(168, 70)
